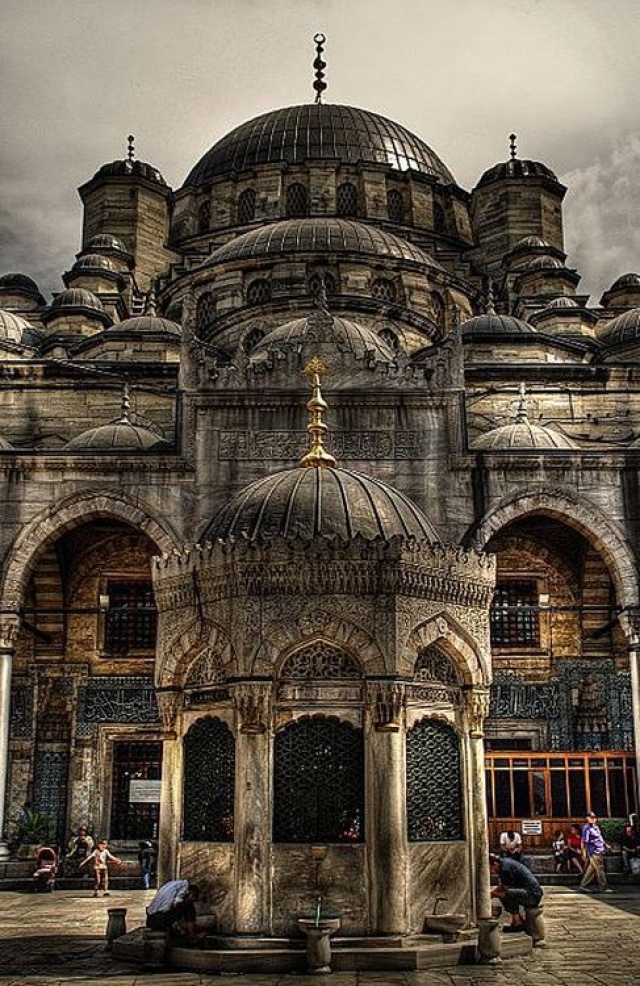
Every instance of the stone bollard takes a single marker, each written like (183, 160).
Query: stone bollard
(490, 941)
(534, 925)
(154, 949)
(116, 924)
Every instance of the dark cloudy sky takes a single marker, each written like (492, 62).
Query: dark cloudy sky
(76, 76)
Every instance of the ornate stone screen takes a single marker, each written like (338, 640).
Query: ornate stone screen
(209, 770)
(434, 802)
(318, 782)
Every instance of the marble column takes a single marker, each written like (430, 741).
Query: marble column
(253, 807)
(630, 622)
(8, 633)
(170, 704)
(387, 822)
(476, 708)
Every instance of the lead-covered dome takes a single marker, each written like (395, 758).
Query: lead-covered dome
(516, 169)
(346, 335)
(319, 236)
(522, 435)
(118, 436)
(329, 502)
(623, 328)
(492, 324)
(318, 131)
(14, 328)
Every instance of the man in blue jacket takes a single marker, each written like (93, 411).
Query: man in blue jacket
(595, 848)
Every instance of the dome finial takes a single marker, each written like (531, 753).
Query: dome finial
(130, 148)
(512, 146)
(150, 304)
(521, 415)
(319, 85)
(490, 308)
(317, 455)
(126, 402)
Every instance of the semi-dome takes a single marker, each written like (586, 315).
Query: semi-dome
(329, 502)
(346, 335)
(118, 436)
(318, 131)
(318, 236)
(623, 328)
(523, 435)
(493, 324)
(514, 169)
(14, 328)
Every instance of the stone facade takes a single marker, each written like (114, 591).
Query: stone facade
(466, 373)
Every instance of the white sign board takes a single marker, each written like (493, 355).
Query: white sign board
(143, 791)
(531, 826)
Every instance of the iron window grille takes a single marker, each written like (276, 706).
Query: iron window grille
(297, 203)
(205, 311)
(252, 338)
(318, 782)
(434, 801)
(258, 292)
(209, 772)
(384, 289)
(391, 339)
(514, 614)
(204, 216)
(347, 200)
(134, 819)
(247, 206)
(320, 279)
(395, 205)
(130, 622)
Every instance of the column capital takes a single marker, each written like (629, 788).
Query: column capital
(169, 705)
(476, 706)
(252, 700)
(386, 701)
(9, 626)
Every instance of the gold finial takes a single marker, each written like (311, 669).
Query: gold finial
(317, 455)
(319, 85)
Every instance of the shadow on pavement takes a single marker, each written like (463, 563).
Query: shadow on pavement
(56, 954)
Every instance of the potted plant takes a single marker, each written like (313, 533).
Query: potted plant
(612, 830)
(33, 828)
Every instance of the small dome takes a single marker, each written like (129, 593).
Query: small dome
(19, 283)
(530, 242)
(623, 328)
(77, 298)
(118, 436)
(544, 263)
(105, 241)
(564, 301)
(318, 236)
(493, 324)
(131, 169)
(348, 336)
(17, 329)
(516, 169)
(148, 324)
(626, 281)
(523, 435)
(329, 502)
(318, 131)
(94, 261)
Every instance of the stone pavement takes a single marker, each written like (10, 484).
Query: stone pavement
(51, 939)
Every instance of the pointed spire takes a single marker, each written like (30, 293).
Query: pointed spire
(521, 414)
(512, 146)
(317, 456)
(130, 148)
(319, 65)
(490, 308)
(150, 304)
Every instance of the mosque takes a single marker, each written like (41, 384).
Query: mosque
(320, 513)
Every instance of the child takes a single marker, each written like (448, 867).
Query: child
(560, 851)
(99, 860)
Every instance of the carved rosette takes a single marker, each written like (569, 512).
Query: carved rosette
(169, 705)
(476, 702)
(252, 701)
(387, 701)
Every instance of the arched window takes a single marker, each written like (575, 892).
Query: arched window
(204, 216)
(209, 772)
(395, 206)
(316, 281)
(347, 200)
(320, 660)
(439, 219)
(247, 206)
(384, 289)
(433, 665)
(391, 339)
(252, 338)
(434, 802)
(297, 200)
(318, 782)
(205, 311)
(258, 291)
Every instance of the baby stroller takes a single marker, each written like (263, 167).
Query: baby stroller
(44, 875)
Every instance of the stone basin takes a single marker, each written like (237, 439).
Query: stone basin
(318, 932)
(447, 925)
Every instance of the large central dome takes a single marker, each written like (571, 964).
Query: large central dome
(296, 134)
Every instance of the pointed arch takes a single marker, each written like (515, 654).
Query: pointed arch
(76, 509)
(173, 662)
(471, 663)
(564, 505)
